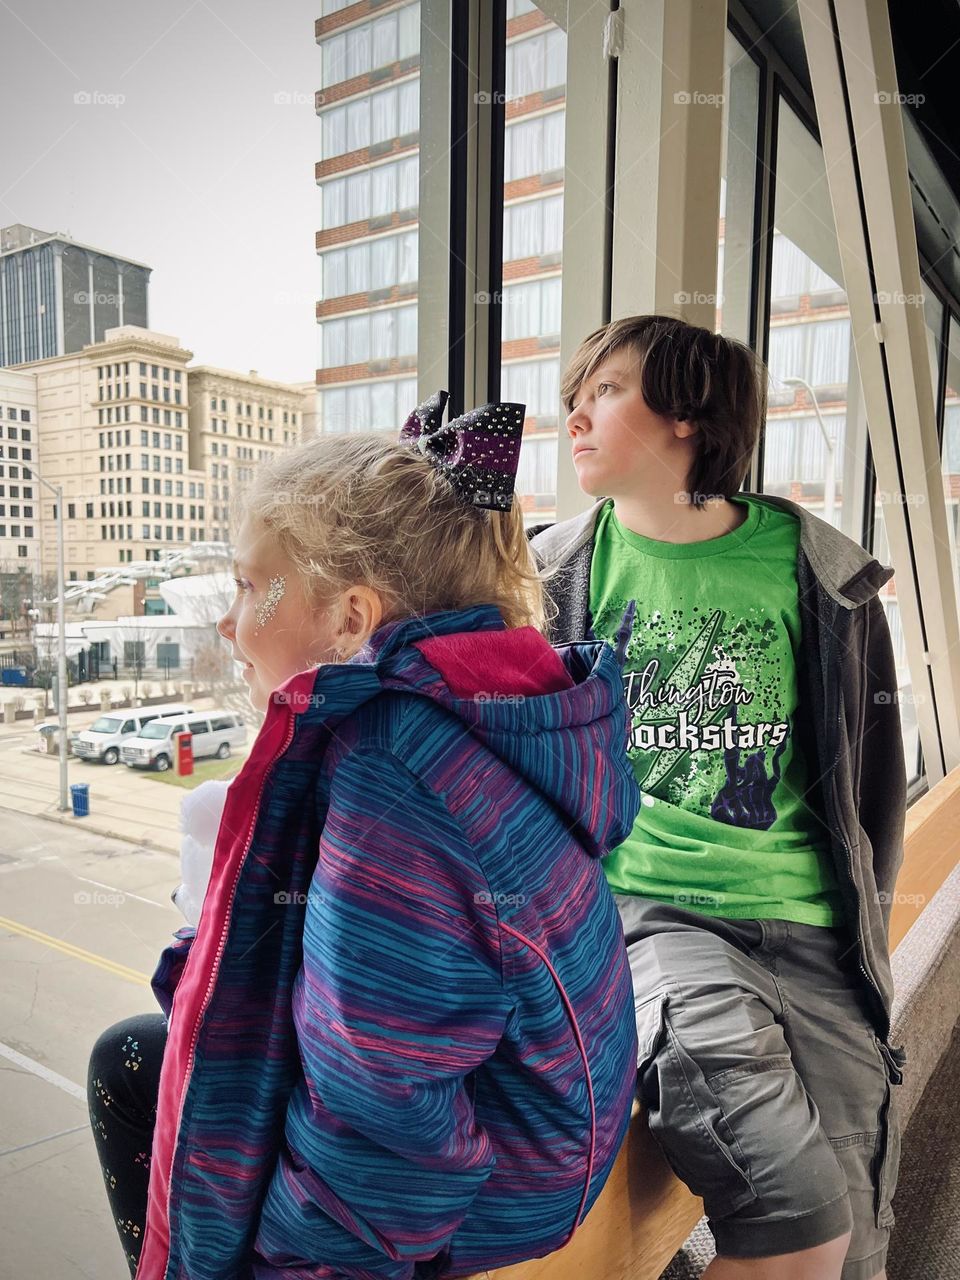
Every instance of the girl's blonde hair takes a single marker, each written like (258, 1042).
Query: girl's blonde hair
(363, 509)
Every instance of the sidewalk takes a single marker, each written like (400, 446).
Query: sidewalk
(124, 803)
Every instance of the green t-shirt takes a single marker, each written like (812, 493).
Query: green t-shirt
(711, 631)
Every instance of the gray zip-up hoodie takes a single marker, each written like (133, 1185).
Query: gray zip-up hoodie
(848, 719)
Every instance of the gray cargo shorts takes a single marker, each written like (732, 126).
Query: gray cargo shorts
(763, 1081)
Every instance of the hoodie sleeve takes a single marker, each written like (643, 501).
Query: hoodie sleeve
(170, 966)
(882, 777)
(399, 999)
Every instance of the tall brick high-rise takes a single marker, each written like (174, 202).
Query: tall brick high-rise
(368, 173)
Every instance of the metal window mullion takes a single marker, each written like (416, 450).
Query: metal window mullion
(765, 225)
(440, 336)
(865, 157)
(590, 143)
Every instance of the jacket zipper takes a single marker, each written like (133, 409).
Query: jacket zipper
(216, 963)
(848, 852)
(581, 1047)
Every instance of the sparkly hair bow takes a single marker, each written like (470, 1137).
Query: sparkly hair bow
(477, 452)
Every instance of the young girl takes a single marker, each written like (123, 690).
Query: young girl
(401, 1038)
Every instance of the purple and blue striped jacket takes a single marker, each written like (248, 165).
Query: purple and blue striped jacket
(402, 1040)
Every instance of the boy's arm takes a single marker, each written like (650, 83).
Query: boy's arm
(400, 998)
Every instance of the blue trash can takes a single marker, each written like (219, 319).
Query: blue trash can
(80, 799)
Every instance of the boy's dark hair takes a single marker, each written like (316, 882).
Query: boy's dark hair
(693, 375)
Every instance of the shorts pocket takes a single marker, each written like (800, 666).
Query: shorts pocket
(685, 1115)
(888, 1137)
(650, 1015)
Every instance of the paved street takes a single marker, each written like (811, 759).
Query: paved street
(85, 911)
(83, 919)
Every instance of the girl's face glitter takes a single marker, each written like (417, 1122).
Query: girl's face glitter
(276, 589)
(273, 629)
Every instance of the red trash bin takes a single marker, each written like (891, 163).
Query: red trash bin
(184, 753)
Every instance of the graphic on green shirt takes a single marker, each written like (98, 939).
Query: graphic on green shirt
(706, 634)
(691, 706)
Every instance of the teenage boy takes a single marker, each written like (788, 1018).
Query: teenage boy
(755, 886)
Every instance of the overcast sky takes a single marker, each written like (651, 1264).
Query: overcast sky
(195, 156)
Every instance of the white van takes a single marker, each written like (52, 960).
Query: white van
(105, 737)
(215, 733)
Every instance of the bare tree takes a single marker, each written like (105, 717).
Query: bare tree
(16, 595)
(133, 637)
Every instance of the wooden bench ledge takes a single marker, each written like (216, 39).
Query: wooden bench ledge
(644, 1213)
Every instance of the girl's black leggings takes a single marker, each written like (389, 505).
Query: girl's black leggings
(122, 1085)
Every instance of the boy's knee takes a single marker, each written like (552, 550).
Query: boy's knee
(819, 1262)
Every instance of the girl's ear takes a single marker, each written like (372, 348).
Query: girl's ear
(361, 613)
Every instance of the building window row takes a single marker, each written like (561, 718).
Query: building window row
(12, 413)
(536, 63)
(371, 45)
(373, 192)
(370, 406)
(387, 332)
(123, 370)
(533, 228)
(534, 146)
(372, 264)
(375, 118)
(219, 427)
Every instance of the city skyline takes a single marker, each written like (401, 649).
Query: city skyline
(184, 139)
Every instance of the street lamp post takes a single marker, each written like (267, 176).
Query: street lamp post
(830, 479)
(57, 491)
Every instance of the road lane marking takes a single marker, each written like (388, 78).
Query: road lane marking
(38, 1142)
(126, 892)
(38, 1069)
(77, 953)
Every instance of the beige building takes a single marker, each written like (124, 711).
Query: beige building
(238, 420)
(113, 431)
(146, 450)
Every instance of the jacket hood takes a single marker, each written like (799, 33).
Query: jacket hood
(849, 574)
(556, 717)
